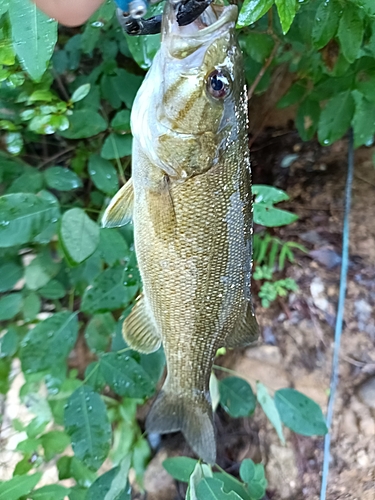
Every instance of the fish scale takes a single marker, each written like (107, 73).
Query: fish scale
(190, 200)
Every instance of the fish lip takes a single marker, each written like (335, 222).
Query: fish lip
(227, 15)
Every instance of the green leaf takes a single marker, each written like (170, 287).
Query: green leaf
(212, 489)
(363, 120)
(252, 10)
(268, 194)
(253, 475)
(268, 405)
(335, 118)
(300, 413)
(30, 181)
(294, 94)
(308, 118)
(232, 484)
(125, 376)
(34, 36)
(112, 246)
(237, 397)
(258, 46)
(200, 471)
(117, 146)
(286, 10)
(5, 366)
(50, 492)
(4, 5)
(79, 235)
(121, 121)
(49, 343)
(18, 486)
(53, 290)
(350, 32)
(9, 343)
(264, 212)
(40, 271)
(103, 174)
(99, 331)
(113, 485)
(326, 23)
(31, 306)
(180, 468)
(23, 216)
(108, 292)
(54, 443)
(62, 179)
(10, 306)
(87, 424)
(10, 273)
(84, 123)
(80, 93)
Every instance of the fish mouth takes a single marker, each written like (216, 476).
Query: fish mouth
(212, 23)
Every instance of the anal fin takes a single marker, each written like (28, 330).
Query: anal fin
(120, 210)
(139, 330)
(246, 329)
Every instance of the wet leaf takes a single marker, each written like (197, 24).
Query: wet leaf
(350, 32)
(48, 344)
(300, 413)
(326, 23)
(268, 405)
(79, 235)
(103, 174)
(62, 179)
(112, 246)
(363, 120)
(87, 424)
(117, 146)
(84, 123)
(252, 10)
(113, 485)
(335, 118)
(286, 10)
(23, 216)
(237, 397)
(125, 376)
(99, 331)
(34, 36)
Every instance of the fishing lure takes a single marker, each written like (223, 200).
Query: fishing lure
(130, 14)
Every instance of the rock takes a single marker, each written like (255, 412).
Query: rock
(327, 257)
(318, 294)
(282, 472)
(366, 392)
(157, 482)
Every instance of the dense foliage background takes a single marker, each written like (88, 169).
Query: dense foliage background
(66, 283)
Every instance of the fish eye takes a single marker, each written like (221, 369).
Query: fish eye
(218, 83)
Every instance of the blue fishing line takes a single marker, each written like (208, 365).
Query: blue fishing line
(339, 317)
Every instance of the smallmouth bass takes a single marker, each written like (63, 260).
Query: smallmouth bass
(190, 201)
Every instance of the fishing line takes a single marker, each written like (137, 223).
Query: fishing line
(339, 317)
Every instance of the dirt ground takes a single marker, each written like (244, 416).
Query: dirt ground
(298, 332)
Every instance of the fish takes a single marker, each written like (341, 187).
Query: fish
(190, 202)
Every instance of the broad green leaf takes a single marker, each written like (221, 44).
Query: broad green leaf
(84, 123)
(54, 443)
(270, 216)
(53, 290)
(286, 10)
(50, 492)
(180, 468)
(252, 10)
(34, 36)
(326, 23)
(108, 292)
(71, 467)
(232, 484)
(121, 121)
(363, 120)
(335, 118)
(80, 93)
(31, 306)
(31, 181)
(10, 306)
(117, 146)
(268, 194)
(86, 422)
(300, 413)
(268, 405)
(112, 246)
(23, 216)
(237, 397)
(253, 475)
(258, 46)
(294, 94)
(153, 364)
(200, 471)
(94, 377)
(62, 179)
(99, 331)
(79, 235)
(308, 118)
(126, 86)
(350, 32)
(49, 343)
(212, 489)
(125, 376)
(10, 273)
(103, 174)
(19, 486)
(9, 343)
(5, 366)
(40, 271)
(113, 485)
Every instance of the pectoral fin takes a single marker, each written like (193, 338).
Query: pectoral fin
(120, 211)
(139, 330)
(246, 329)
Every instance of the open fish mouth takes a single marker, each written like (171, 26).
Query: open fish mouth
(212, 23)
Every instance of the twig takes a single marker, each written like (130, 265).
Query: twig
(263, 70)
(55, 156)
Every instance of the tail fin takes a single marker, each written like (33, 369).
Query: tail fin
(192, 416)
